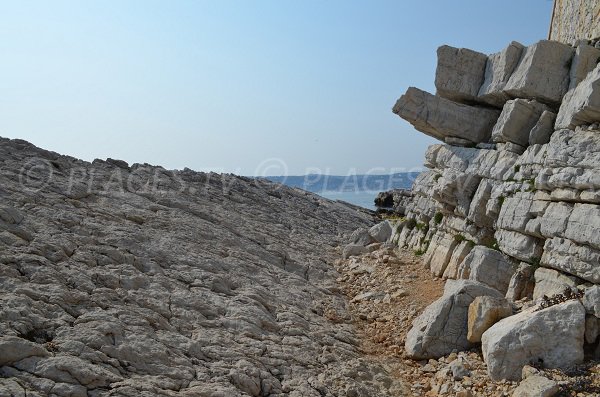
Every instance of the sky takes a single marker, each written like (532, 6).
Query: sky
(255, 87)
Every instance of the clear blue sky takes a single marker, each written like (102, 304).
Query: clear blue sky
(227, 85)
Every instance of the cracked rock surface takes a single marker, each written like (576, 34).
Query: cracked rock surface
(120, 280)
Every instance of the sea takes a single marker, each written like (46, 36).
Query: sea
(362, 198)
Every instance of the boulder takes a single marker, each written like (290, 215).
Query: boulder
(442, 327)
(518, 118)
(381, 232)
(459, 73)
(582, 105)
(552, 337)
(536, 386)
(484, 312)
(591, 300)
(439, 117)
(498, 70)
(543, 129)
(488, 266)
(522, 283)
(550, 282)
(458, 256)
(542, 73)
(439, 253)
(585, 60)
(361, 237)
(354, 250)
(15, 349)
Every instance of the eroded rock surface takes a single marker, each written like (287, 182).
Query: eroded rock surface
(139, 281)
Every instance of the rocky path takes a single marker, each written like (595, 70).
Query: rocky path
(120, 280)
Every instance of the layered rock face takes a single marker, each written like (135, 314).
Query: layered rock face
(575, 20)
(516, 206)
(138, 281)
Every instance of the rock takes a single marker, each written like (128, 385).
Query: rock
(522, 283)
(490, 267)
(16, 349)
(591, 300)
(518, 118)
(542, 73)
(549, 282)
(578, 260)
(439, 253)
(440, 118)
(361, 237)
(582, 105)
(442, 327)
(592, 329)
(459, 369)
(519, 246)
(381, 232)
(484, 312)
(459, 73)
(499, 68)
(354, 250)
(543, 129)
(552, 337)
(536, 386)
(585, 60)
(458, 256)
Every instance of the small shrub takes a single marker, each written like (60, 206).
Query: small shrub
(437, 219)
(493, 245)
(419, 252)
(411, 224)
(459, 238)
(501, 200)
(436, 177)
(517, 168)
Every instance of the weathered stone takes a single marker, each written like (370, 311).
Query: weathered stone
(522, 283)
(488, 266)
(567, 256)
(13, 349)
(354, 250)
(582, 105)
(459, 368)
(459, 73)
(439, 253)
(592, 329)
(554, 338)
(381, 232)
(498, 70)
(543, 129)
(458, 256)
(484, 312)
(517, 119)
(362, 237)
(542, 73)
(440, 117)
(555, 219)
(584, 225)
(519, 246)
(442, 327)
(550, 282)
(591, 300)
(585, 60)
(536, 386)
(477, 213)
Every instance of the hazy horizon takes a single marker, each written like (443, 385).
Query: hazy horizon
(251, 88)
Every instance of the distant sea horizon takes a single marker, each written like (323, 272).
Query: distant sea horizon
(359, 190)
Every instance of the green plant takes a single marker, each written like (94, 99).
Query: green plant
(493, 245)
(437, 219)
(459, 238)
(436, 177)
(423, 227)
(535, 261)
(410, 224)
(501, 200)
(517, 168)
(419, 252)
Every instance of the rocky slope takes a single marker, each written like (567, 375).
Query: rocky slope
(509, 210)
(137, 281)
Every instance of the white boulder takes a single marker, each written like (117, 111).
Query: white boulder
(518, 118)
(459, 73)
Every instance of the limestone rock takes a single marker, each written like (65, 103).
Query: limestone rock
(489, 267)
(498, 70)
(519, 246)
(522, 283)
(550, 282)
(484, 312)
(543, 129)
(542, 73)
(15, 349)
(459, 73)
(582, 105)
(381, 232)
(591, 300)
(536, 386)
(458, 256)
(442, 327)
(518, 118)
(354, 250)
(592, 329)
(585, 60)
(578, 260)
(440, 117)
(554, 338)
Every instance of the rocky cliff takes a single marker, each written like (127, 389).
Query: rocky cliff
(509, 208)
(138, 281)
(574, 20)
